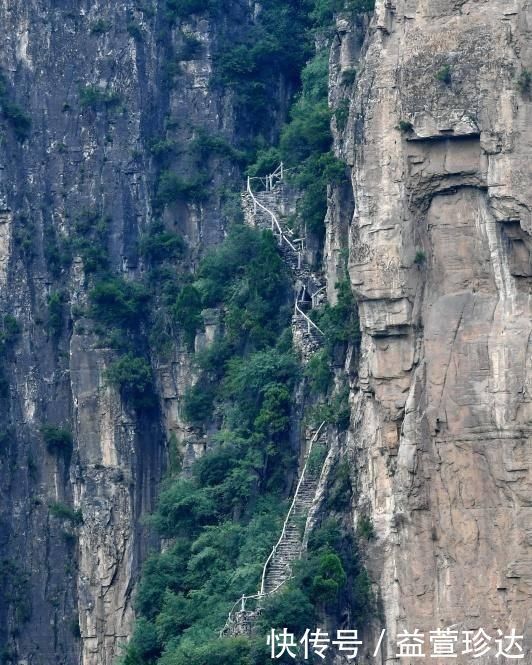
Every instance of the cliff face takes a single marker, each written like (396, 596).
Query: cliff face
(97, 84)
(440, 242)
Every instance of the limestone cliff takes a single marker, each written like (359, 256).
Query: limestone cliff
(438, 140)
(87, 88)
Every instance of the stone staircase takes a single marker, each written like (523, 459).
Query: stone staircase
(266, 210)
(278, 567)
(288, 549)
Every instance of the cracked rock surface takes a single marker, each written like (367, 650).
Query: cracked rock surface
(440, 249)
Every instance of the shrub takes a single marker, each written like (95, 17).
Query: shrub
(329, 580)
(340, 322)
(58, 254)
(317, 458)
(444, 74)
(341, 114)
(198, 404)
(100, 27)
(420, 257)
(160, 245)
(524, 81)
(318, 372)
(161, 149)
(18, 119)
(187, 313)
(94, 97)
(405, 126)
(184, 8)
(132, 375)
(206, 145)
(116, 302)
(91, 230)
(55, 313)
(64, 512)
(190, 48)
(365, 528)
(289, 608)
(349, 76)
(174, 189)
(9, 331)
(58, 440)
(340, 490)
(134, 30)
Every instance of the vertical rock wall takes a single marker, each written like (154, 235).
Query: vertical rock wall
(439, 141)
(66, 588)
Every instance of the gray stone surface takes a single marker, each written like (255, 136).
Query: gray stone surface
(442, 408)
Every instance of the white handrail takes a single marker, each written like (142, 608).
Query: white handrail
(309, 321)
(275, 221)
(272, 553)
(261, 594)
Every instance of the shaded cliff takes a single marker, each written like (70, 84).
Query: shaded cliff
(119, 161)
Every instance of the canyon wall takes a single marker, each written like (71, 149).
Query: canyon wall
(97, 82)
(438, 140)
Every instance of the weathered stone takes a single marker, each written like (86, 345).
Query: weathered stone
(440, 245)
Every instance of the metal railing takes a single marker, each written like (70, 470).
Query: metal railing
(290, 510)
(276, 227)
(262, 594)
(309, 321)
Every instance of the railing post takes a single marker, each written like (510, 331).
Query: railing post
(243, 601)
(282, 171)
(299, 260)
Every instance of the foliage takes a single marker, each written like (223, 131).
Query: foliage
(172, 188)
(247, 274)
(324, 10)
(365, 528)
(340, 322)
(341, 114)
(13, 113)
(524, 81)
(58, 440)
(58, 253)
(444, 74)
(96, 98)
(9, 331)
(159, 244)
(335, 411)
(317, 458)
(100, 27)
(206, 145)
(339, 491)
(190, 48)
(55, 313)
(65, 512)
(318, 372)
(134, 30)
(90, 237)
(187, 313)
(251, 65)
(349, 76)
(405, 126)
(133, 376)
(117, 302)
(420, 257)
(184, 8)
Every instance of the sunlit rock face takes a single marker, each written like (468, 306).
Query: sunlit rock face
(439, 140)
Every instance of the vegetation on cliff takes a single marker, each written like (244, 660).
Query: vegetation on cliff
(222, 519)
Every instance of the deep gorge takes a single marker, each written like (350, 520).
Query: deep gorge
(157, 397)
